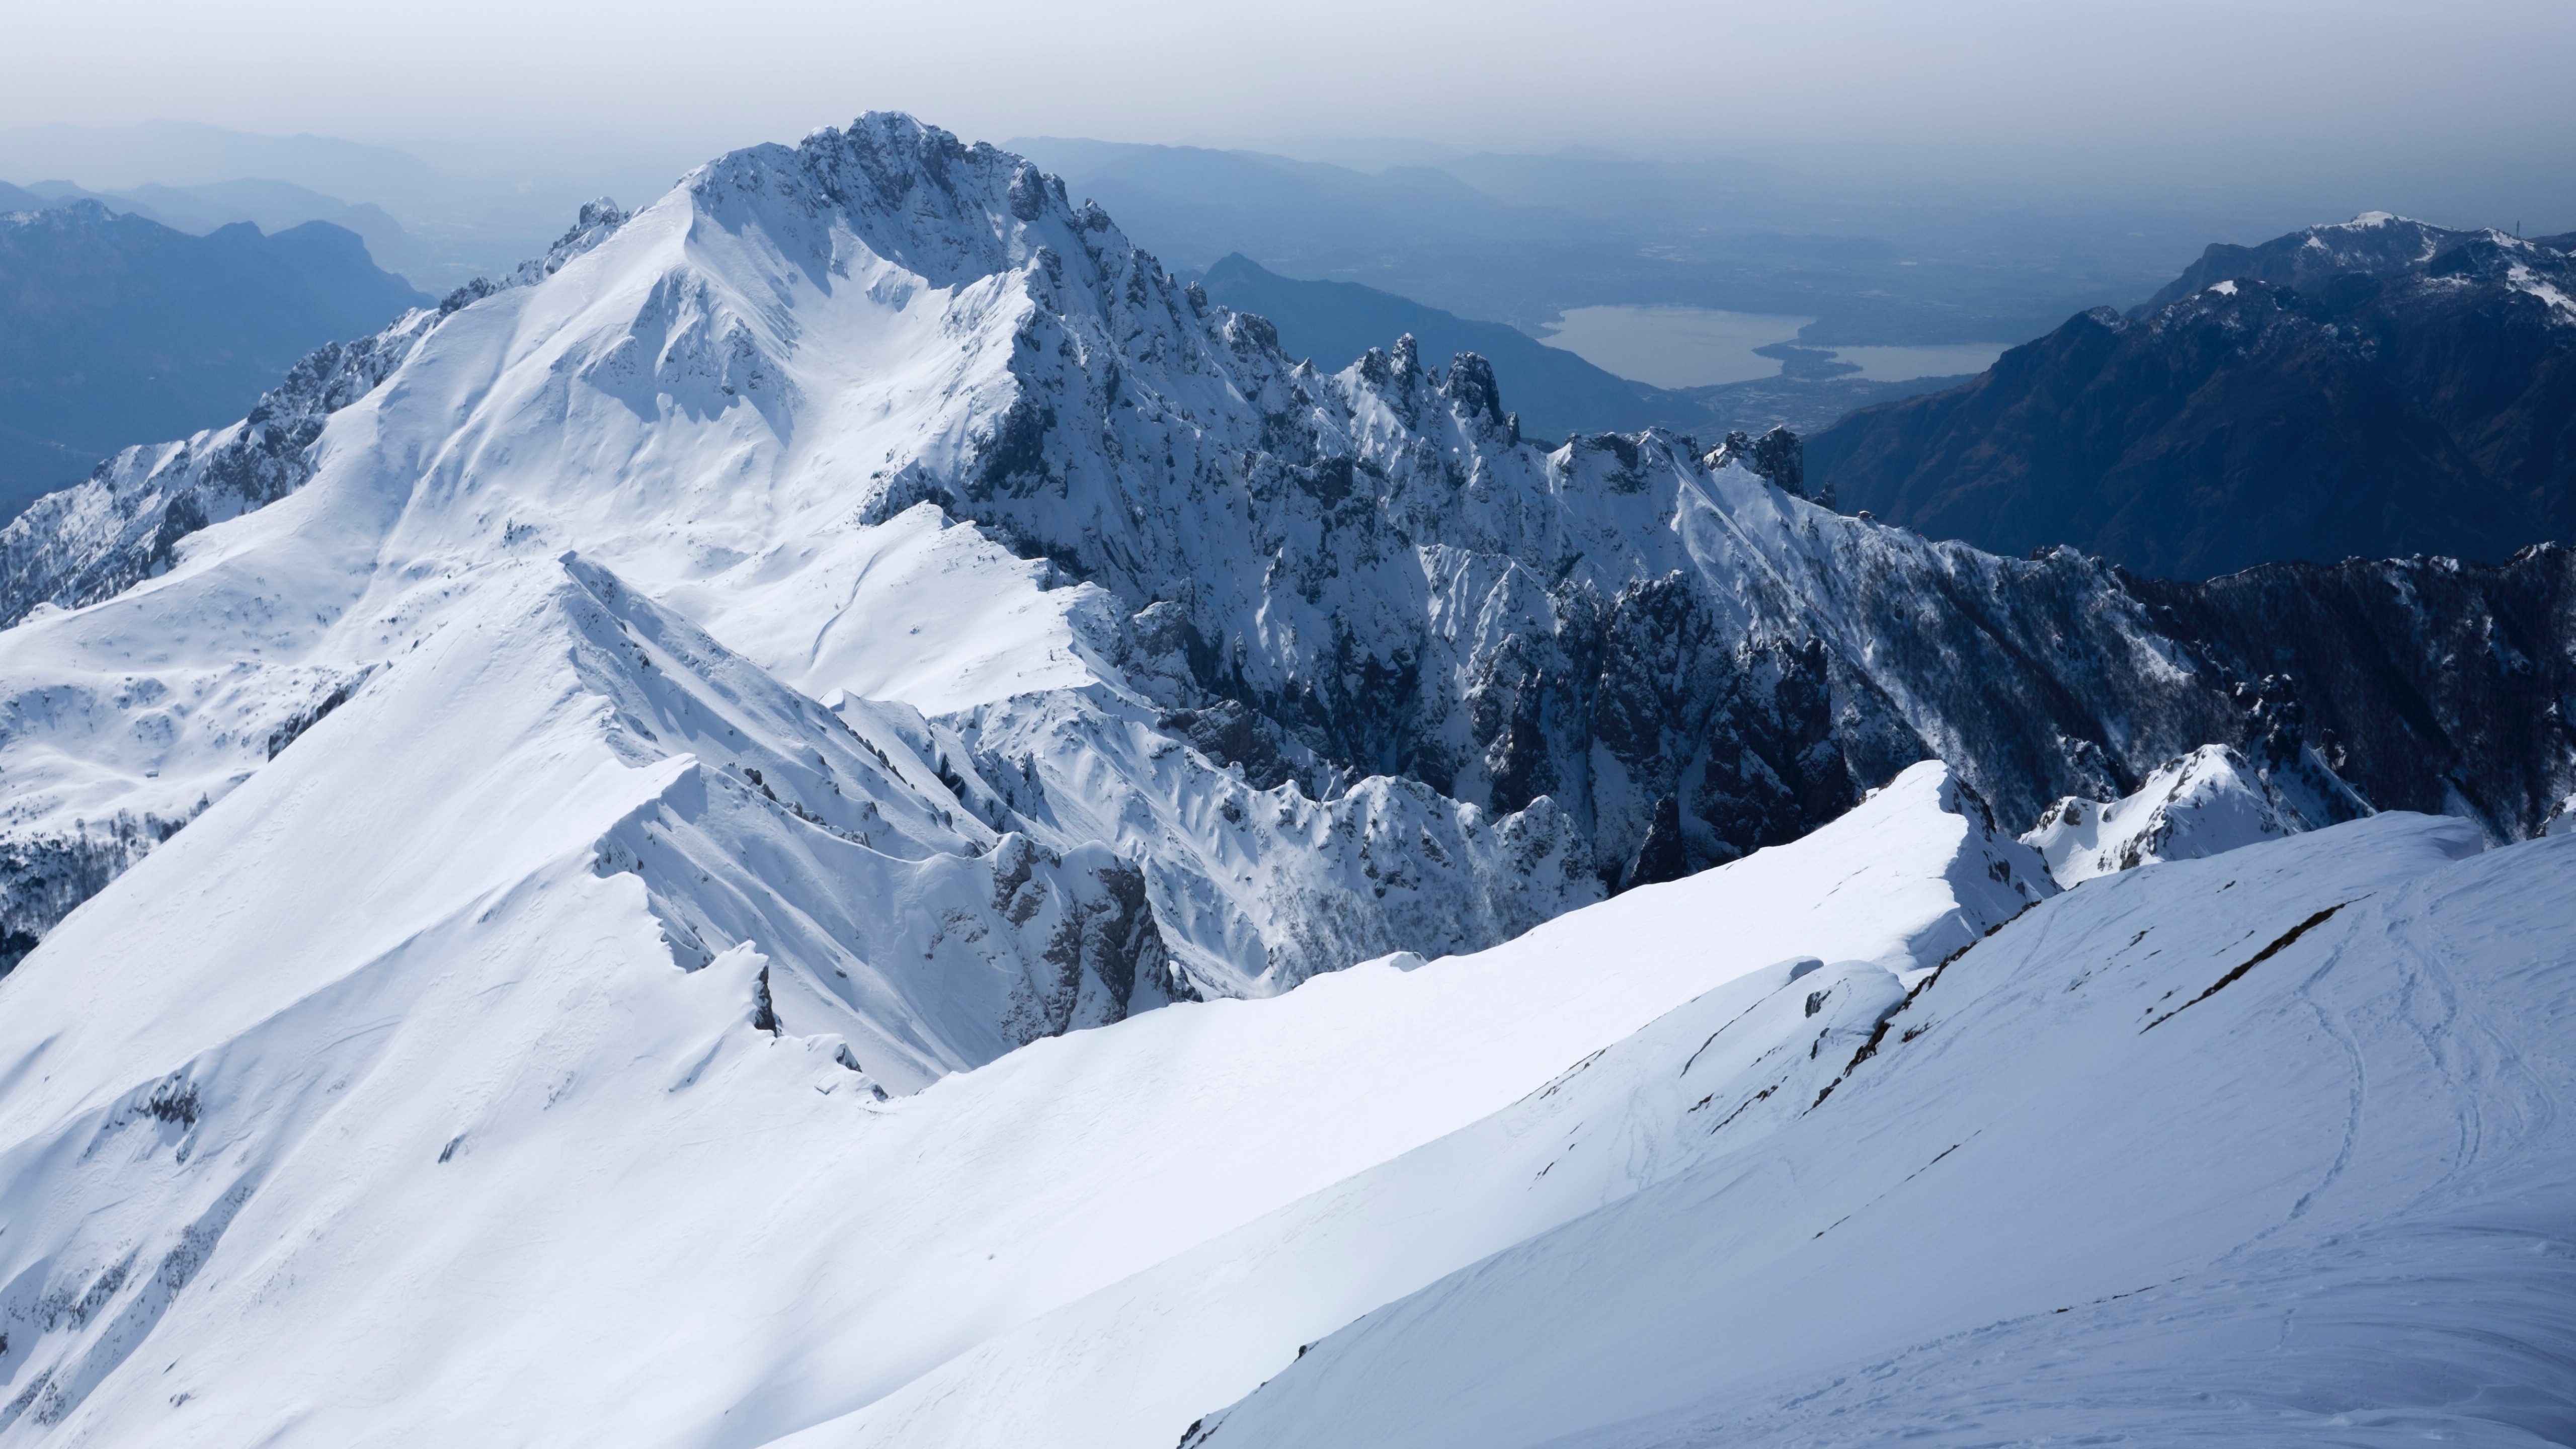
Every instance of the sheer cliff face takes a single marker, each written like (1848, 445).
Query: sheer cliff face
(1336, 661)
(2372, 389)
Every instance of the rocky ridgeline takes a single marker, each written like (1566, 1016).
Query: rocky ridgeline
(1366, 590)
(2380, 387)
(121, 526)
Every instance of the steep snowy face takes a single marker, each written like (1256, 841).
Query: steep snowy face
(2177, 1157)
(454, 1065)
(890, 418)
(2203, 803)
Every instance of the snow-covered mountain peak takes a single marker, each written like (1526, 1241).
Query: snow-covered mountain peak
(722, 402)
(2374, 244)
(896, 423)
(912, 194)
(679, 749)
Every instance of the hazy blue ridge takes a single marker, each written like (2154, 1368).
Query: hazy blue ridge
(1518, 239)
(2378, 388)
(272, 206)
(116, 330)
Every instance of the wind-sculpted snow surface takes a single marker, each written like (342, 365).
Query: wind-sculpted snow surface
(2265, 1148)
(429, 1135)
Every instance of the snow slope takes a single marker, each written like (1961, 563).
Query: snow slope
(722, 400)
(2203, 803)
(752, 806)
(439, 1144)
(2269, 1147)
(894, 420)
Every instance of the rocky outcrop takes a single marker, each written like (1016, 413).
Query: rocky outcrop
(1377, 673)
(2207, 802)
(1778, 455)
(125, 523)
(2427, 683)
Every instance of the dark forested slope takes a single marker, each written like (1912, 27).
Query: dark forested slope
(2379, 388)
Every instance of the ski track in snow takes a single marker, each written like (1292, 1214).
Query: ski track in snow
(2292, 1224)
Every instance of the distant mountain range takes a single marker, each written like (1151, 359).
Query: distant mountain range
(1519, 238)
(452, 227)
(2379, 387)
(842, 812)
(187, 154)
(1556, 392)
(272, 206)
(114, 328)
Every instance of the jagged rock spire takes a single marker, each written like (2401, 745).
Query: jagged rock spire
(1779, 455)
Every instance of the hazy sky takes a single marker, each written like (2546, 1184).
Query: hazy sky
(2176, 86)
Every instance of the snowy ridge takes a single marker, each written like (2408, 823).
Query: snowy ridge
(2374, 244)
(122, 525)
(753, 811)
(109, 763)
(2040, 1208)
(2206, 802)
(471, 1081)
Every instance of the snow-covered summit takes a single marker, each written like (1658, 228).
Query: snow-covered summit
(2203, 803)
(2373, 244)
(780, 771)
(1181, 581)
(716, 401)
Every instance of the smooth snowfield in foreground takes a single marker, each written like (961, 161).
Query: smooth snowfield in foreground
(758, 799)
(479, 1162)
(2271, 1147)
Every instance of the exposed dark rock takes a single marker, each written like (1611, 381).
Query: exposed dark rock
(1661, 856)
(1778, 455)
(43, 878)
(2428, 684)
(2368, 390)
